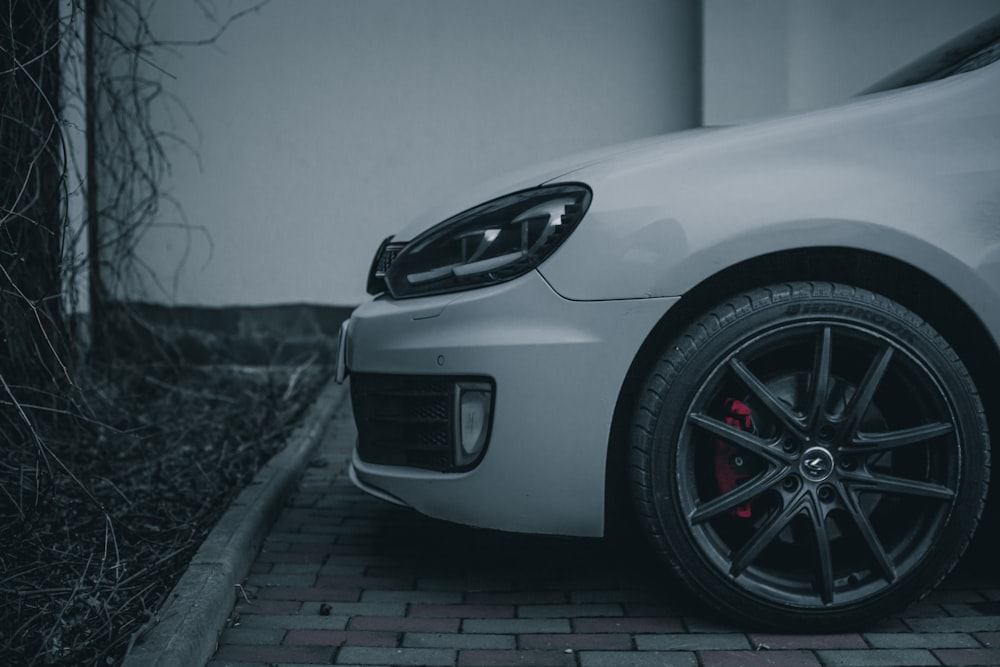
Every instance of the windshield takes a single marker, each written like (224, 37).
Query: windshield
(971, 50)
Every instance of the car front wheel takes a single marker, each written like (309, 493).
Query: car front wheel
(809, 457)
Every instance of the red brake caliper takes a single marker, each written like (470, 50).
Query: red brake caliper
(730, 465)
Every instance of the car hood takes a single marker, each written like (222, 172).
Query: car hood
(642, 153)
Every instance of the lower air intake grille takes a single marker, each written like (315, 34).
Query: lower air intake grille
(406, 420)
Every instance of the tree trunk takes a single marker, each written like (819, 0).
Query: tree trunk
(31, 183)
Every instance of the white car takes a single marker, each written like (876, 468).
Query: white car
(777, 343)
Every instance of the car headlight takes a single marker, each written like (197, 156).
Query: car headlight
(490, 243)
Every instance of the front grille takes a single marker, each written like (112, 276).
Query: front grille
(384, 257)
(406, 420)
(387, 257)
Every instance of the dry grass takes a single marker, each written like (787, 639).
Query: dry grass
(99, 522)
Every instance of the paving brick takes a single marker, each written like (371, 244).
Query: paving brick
(367, 538)
(757, 659)
(303, 593)
(618, 596)
(413, 597)
(705, 624)
(293, 557)
(516, 597)
(691, 642)
(459, 641)
(966, 609)
(566, 587)
(877, 658)
(955, 624)
(278, 537)
(925, 610)
(516, 626)
(321, 548)
(490, 580)
(576, 641)
(275, 654)
(457, 584)
(627, 624)
(988, 639)
(634, 659)
(990, 591)
(351, 530)
(946, 595)
(368, 583)
(363, 655)
(268, 607)
(281, 579)
(487, 658)
(357, 608)
(294, 621)
(921, 640)
(406, 624)
(260, 567)
(253, 636)
(368, 560)
(969, 656)
(652, 609)
(404, 571)
(568, 610)
(890, 625)
(988, 607)
(335, 567)
(340, 638)
(785, 642)
(462, 610)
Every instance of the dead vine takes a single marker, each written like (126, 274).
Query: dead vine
(117, 456)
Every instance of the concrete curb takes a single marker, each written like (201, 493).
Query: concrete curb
(191, 621)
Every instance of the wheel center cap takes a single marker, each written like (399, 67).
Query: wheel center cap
(816, 464)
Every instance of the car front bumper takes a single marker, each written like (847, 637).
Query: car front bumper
(557, 367)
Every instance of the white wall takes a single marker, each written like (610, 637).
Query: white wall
(325, 125)
(772, 56)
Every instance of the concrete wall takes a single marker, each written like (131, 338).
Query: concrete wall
(325, 125)
(773, 56)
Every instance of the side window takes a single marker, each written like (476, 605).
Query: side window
(981, 58)
(969, 51)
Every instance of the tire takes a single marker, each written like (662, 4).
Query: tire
(809, 458)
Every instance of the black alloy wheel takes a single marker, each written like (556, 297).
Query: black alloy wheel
(809, 457)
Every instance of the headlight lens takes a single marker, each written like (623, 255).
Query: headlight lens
(496, 241)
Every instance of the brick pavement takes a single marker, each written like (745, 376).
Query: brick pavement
(347, 579)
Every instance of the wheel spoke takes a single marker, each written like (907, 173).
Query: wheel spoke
(873, 483)
(873, 443)
(763, 537)
(740, 438)
(862, 399)
(741, 494)
(867, 531)
(824, 559)
(820, 378)
(761, 391)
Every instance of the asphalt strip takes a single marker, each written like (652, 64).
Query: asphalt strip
(186, 630)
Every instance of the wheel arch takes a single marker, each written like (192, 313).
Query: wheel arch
(908, 285)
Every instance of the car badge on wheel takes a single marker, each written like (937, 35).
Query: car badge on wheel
(817, 464)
